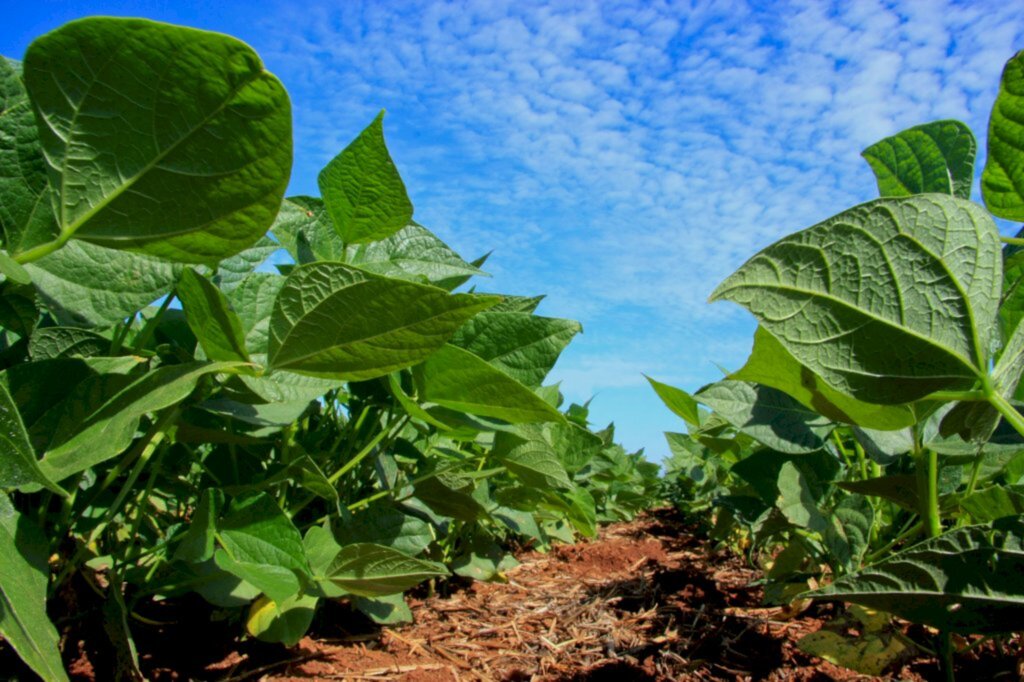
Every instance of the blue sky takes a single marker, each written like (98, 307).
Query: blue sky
(621, 157)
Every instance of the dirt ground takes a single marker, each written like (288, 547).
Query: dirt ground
(646, 600)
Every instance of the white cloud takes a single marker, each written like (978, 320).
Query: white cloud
(625, 156)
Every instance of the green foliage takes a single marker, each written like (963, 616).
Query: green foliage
(872, 442)
(347, 427)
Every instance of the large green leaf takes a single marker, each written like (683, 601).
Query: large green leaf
(1002, 182)
(159, 138)
(522, 345)
(24, 575)
(89, 285)
(362, 190)
(384, 525)
(768, 415)
(211, 318)
(457, 379)
(415, 253)
(18, 463)
(887, 301)
(286, 622)
(233, 270)
(770, 364)
(679, 401)
(336, 321)
(102, 416)
(66, 342)
(934, 157)
(304, 229)
(253, 299)
(966, 580)
(1011, 306)
(370, 570)
(532, 460)
(26, 216)
(262, 546)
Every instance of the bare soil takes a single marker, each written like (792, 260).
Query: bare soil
(646, 600)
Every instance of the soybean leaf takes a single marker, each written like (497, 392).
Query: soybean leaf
(898, 488)
(273, 414)
(386, 526)
(797, 502)
(772, 365)
(966, 580)
(934, 157)
(201, 134)
(211, 318)
(262, 546)
(1011, 306)
(26, 217)
(18, 463)
(66, 342)
(848, 534)
(89, 285)
(532, 460)
(103, 428)
(197, 545)
(482, 559)
(846, 299)
(335, 321)
(413, 253)
(452, 283)
(370, 570)
(768, 415)
(13, 271)
(1002, 182)
(234, 269)
(994, 502)
(253, 300)
(24, 574)
(457, 379)
(522, 345)
(285, 622)
(363, 193)
(677, 400)
(387, 610)
(302, 224)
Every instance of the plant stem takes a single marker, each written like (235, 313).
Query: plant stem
(928, 491)
(1009, 412)
(1015, 241)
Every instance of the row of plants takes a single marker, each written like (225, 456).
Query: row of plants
(871, 449)
(185, 410)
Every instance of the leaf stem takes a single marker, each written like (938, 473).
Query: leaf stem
(1009, 412)
(1014, 241)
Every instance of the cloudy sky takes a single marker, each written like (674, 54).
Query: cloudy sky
(620, 157)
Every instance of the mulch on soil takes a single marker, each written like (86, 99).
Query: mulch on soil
(646, 600)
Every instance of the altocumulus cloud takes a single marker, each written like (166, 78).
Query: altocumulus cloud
(624, 157)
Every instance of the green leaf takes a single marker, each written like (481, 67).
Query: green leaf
(211, 318)
(482, 559)
(450, 495)
(253, 299)
(26, 217)
(966, 580)
(995, 502)
(898, 488)
(848, 534)
(233, 270)
(370, 570)
(362, 190)
(934, 157)
(13, 270)
(335, 321)
(386, 526)
(105, 422)
(457, 379)
(533, 461)
(845, 297)
(413, 253)
(1002, 182)
(388, 610)
(197, 545)
(262, 546)
(24, 575)
(770, 364)
(201, 134)
(18, 463)
(66, 342)
(90, 285)
(522, 345)
(285, 622)
(1011, 307)
(767, 415)
(796, 501)
(677, 400)
(303, 225)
